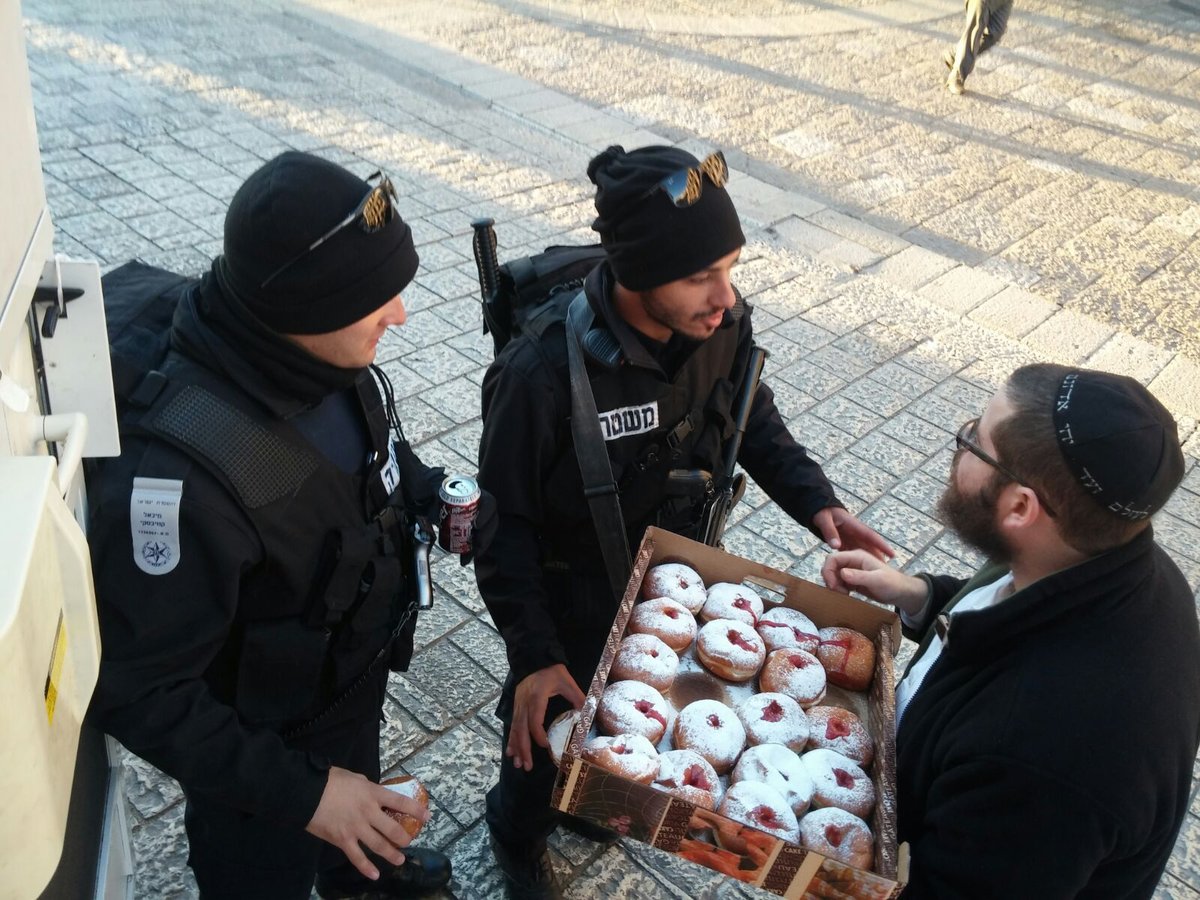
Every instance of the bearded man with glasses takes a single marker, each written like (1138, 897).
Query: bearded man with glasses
(256, 546)
(666, 351)
(1048, 723)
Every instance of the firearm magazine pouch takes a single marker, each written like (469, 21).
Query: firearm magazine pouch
(340, 574)
(377, 606)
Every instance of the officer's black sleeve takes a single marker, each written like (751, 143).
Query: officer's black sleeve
(776, 461)
(159, 635)
(516, 452)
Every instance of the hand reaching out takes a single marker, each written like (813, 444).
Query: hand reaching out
(858, 570)
(842, 531)
(529, 711)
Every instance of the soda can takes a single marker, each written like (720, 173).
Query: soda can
(460, 503)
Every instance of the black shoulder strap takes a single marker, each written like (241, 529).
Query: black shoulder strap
(258, 464)
(598, 484)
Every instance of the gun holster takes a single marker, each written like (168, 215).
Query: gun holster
(697, 484)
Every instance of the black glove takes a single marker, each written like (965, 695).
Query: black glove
(419, 483)
(486, 521)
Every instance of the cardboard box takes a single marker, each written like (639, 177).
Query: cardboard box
(664, 821)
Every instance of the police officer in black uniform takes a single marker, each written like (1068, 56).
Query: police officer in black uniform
(667, 351)
(254, 546)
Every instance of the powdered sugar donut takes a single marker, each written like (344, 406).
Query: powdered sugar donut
(732, 601)
(667, 620)
(407, 786)
(630, 707)
(773, 718)
(559, 733)
(795, 673)
(677, 582)
(688, 775)
(839, 835)
(645, 658)
(730, 649)
(834, 728)
(711, 729)
(760, 806)
(784, 627)
(629, 755)
(839, 782)
(778, 767)
(848, 657)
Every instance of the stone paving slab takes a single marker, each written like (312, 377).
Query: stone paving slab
(880, 345)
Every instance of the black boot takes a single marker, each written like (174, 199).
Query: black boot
(527, 875)
(423, 872)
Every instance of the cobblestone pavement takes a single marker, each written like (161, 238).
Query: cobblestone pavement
(906, 251)
(1069, 172)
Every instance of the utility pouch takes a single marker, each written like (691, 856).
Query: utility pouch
(377, 606)
(280, 673)
(339, 582)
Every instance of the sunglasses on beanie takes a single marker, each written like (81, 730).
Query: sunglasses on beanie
(373, 212)
(685, 186)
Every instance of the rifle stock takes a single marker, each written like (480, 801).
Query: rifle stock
(728, 487)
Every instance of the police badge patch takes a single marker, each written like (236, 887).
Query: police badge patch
(154, 523)
(629, 420)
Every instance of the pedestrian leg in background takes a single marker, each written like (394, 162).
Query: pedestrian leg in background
(986, 21)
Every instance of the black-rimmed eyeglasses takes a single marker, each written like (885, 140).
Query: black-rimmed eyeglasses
(964, 439)
(685, 186)
(372, 213)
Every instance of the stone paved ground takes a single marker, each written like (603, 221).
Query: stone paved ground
(893, 288)
(1069, 173)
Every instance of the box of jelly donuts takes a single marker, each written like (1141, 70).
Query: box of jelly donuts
(743, 719)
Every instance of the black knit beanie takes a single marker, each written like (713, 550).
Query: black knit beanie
(283, 208)
(649, 240)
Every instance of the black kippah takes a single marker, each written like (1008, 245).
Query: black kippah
(650, 241)
(1119, 441)
(284, 207)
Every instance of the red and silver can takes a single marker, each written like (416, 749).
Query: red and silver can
(460, 502)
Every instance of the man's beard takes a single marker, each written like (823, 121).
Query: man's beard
(973, 517)
(690, 325)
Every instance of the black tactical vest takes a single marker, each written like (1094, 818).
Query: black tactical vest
(651, 425)
(314, 615)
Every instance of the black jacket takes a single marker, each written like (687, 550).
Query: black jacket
(526, 460)
(206, 666)
(1049, 750)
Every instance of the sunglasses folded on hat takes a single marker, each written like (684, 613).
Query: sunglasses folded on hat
(373, 212)
(310, 247)
(662, 214)
(685, 185)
